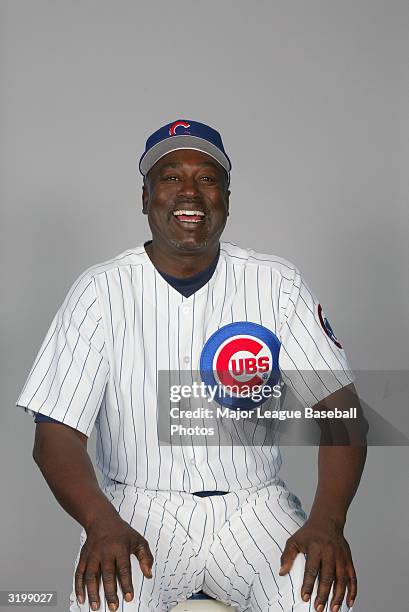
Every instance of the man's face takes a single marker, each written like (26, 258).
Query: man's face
(186, 198)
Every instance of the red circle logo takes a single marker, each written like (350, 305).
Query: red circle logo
(242, 362)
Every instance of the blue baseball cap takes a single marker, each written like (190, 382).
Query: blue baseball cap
(183, 134)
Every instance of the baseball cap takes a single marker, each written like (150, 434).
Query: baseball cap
(183, 134)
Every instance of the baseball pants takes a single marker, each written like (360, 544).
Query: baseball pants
(228, 545)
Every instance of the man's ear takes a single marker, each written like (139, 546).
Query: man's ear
(145, 197)
(228, 201)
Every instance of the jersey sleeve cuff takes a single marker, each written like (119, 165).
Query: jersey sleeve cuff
(68, 419)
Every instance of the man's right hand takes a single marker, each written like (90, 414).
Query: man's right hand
(106, 552)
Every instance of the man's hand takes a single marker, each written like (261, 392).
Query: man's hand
(106, 552)
(328, 558)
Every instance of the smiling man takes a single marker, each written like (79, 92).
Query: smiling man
(174, 519)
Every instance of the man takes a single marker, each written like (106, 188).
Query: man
(196, 516)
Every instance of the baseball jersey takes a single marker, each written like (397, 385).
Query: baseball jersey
(122, 325)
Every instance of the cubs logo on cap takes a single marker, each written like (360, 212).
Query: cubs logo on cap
(327, 327)
(183, 128)
(183, 134)
(237, 358)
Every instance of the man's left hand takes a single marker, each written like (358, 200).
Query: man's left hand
(328, 558)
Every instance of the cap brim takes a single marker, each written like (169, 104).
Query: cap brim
(175, 143)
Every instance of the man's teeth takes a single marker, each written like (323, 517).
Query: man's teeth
(189, 213)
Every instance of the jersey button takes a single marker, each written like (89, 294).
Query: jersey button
(192, 462)
(185, 309)
(186, 359)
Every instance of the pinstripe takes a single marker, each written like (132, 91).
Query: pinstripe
(258, 296)
(110, 438)
(124, 334)
(156, 378)
(175, 569)
(98, 403)
(224, 294)
(272, 300)
(117, 403)
(186, 470)
(191, 364)
(135, 442)
(235, 290)
(279, 296)
(245, 455)
(268, 454)
(245, 294)
(203, 535)
(100, 444)
(134, 509)
(156, 555)
(144, 378)
(233, 463)
(143, 577)
(168, 365)
(260, 453)
(191, 515)
(220, 461)
(120, 374)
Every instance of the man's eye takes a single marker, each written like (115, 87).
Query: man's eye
(170, 178)
(208, 179)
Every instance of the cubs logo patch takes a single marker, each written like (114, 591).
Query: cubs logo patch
(179, 124)
(327, 327)
(238, 358)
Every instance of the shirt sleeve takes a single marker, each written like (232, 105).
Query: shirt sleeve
(69, 376)
(312, 360)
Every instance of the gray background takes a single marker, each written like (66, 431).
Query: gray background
(311, 99)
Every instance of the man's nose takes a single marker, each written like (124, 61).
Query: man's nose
(188, 187)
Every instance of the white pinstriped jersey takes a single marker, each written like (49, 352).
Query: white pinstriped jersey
(121, 323)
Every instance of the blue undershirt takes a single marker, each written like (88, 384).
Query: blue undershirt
(188, 286)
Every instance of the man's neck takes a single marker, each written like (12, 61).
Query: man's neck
(181, 264)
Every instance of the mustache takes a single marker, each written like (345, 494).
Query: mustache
(188, 200)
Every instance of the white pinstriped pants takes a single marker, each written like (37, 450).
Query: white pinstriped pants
(229, 546)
